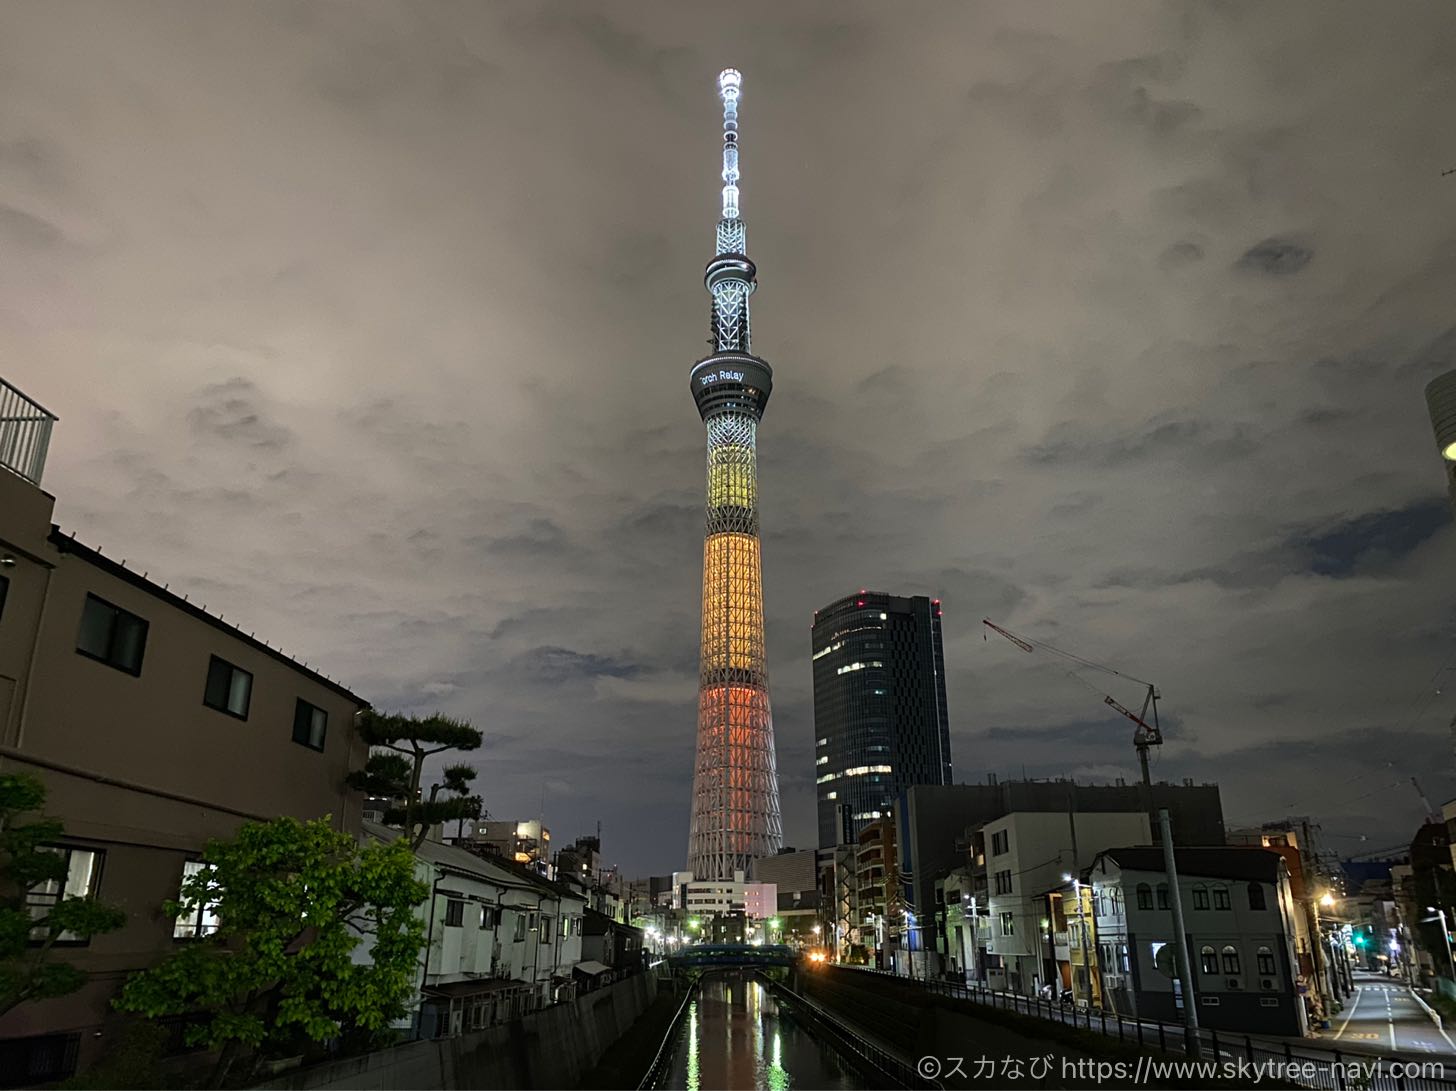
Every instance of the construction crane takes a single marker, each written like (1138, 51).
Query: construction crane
(1147, 734)
(1432, 815)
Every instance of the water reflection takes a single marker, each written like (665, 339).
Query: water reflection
(736, 1037)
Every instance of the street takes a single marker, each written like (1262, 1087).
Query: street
(1384, 1015)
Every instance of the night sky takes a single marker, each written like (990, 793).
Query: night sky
(369, 325)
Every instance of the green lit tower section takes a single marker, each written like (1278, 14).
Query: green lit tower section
(735, 782)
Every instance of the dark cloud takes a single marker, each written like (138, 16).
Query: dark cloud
(1372, 540)
(21, 228)
(552, 664)
(1278, 257)
(233, 412)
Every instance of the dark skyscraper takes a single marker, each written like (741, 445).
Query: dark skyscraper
(880, 720)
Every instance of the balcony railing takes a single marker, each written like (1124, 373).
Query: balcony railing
(25, 434)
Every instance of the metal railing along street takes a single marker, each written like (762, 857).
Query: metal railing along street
(663, 1061)
(847, 1041)
(1306, 1065)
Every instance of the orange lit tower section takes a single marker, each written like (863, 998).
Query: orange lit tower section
(735, 782)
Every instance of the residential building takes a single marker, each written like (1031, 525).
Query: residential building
(1293, 838)
(524, 841)
(1027, 855)
(611, 943)
(155, 726)
(722, 897)
(795, 876)
(500, 939)
(1238, 913)
(880, 720)
(935, 826)
(878, 920)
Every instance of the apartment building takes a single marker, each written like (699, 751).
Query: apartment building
(155, 727)
(1239, 914)
(1027, 855)
(500, 940)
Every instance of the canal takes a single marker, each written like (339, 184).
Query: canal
(736, 1037)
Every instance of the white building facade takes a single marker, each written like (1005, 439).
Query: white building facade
(1239, 916)
(1027, 855)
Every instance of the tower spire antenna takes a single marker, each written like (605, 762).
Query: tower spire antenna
(730, 87)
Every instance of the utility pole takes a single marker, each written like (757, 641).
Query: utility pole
(1191, 1044)
(1082, 915)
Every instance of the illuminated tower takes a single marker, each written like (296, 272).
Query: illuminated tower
(735, 784)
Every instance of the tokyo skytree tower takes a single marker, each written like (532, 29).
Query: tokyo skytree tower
(735, 782)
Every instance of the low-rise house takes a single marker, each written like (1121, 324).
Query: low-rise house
(611, 944)
(1027, 854)
(1239, 915)
(500, 939)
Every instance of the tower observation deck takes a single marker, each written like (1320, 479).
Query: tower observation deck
(735, 813)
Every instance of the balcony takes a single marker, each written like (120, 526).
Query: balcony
(25, 434)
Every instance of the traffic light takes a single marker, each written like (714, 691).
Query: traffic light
(1359, 939)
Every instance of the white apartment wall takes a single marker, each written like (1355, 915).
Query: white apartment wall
(1239, 926)
(1038, 854)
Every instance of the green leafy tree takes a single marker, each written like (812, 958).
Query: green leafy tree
(395, 770)
(293, 900)
(28, 967)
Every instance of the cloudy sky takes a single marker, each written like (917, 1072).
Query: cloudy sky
(370, 324)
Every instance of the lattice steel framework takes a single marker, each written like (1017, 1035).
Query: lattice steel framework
(735, 782)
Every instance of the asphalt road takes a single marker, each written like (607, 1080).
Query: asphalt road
(1384, 1015)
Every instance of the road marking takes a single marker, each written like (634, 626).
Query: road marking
(1439, 1026)
(1349, 1013)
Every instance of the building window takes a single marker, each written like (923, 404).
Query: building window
(4, 591)
(1144, 896)
(83, 876)
(565, 927)
(229, 689)
(310, 724)
(1208, 959)
(1200, 896)
(1256, 896)
(1008, 924)
(38, 1060)
(199, 915)
(545, 929)
(1003, 882)
(1000, 842)
(1221, 897)
(112, 636)
(520, 933)
(1162, 895)
(454, 913)
(490, 916)
(1230, 960)
(1266, 962)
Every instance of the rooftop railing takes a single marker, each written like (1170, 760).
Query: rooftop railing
(25, 434)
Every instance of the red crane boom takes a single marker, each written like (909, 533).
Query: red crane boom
(1147, 734)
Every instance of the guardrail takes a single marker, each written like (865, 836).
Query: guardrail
(658, 1069)
(25, 433)
(1303, 1065)
(846, 1040)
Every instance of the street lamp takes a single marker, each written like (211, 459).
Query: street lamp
(1441, 916)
